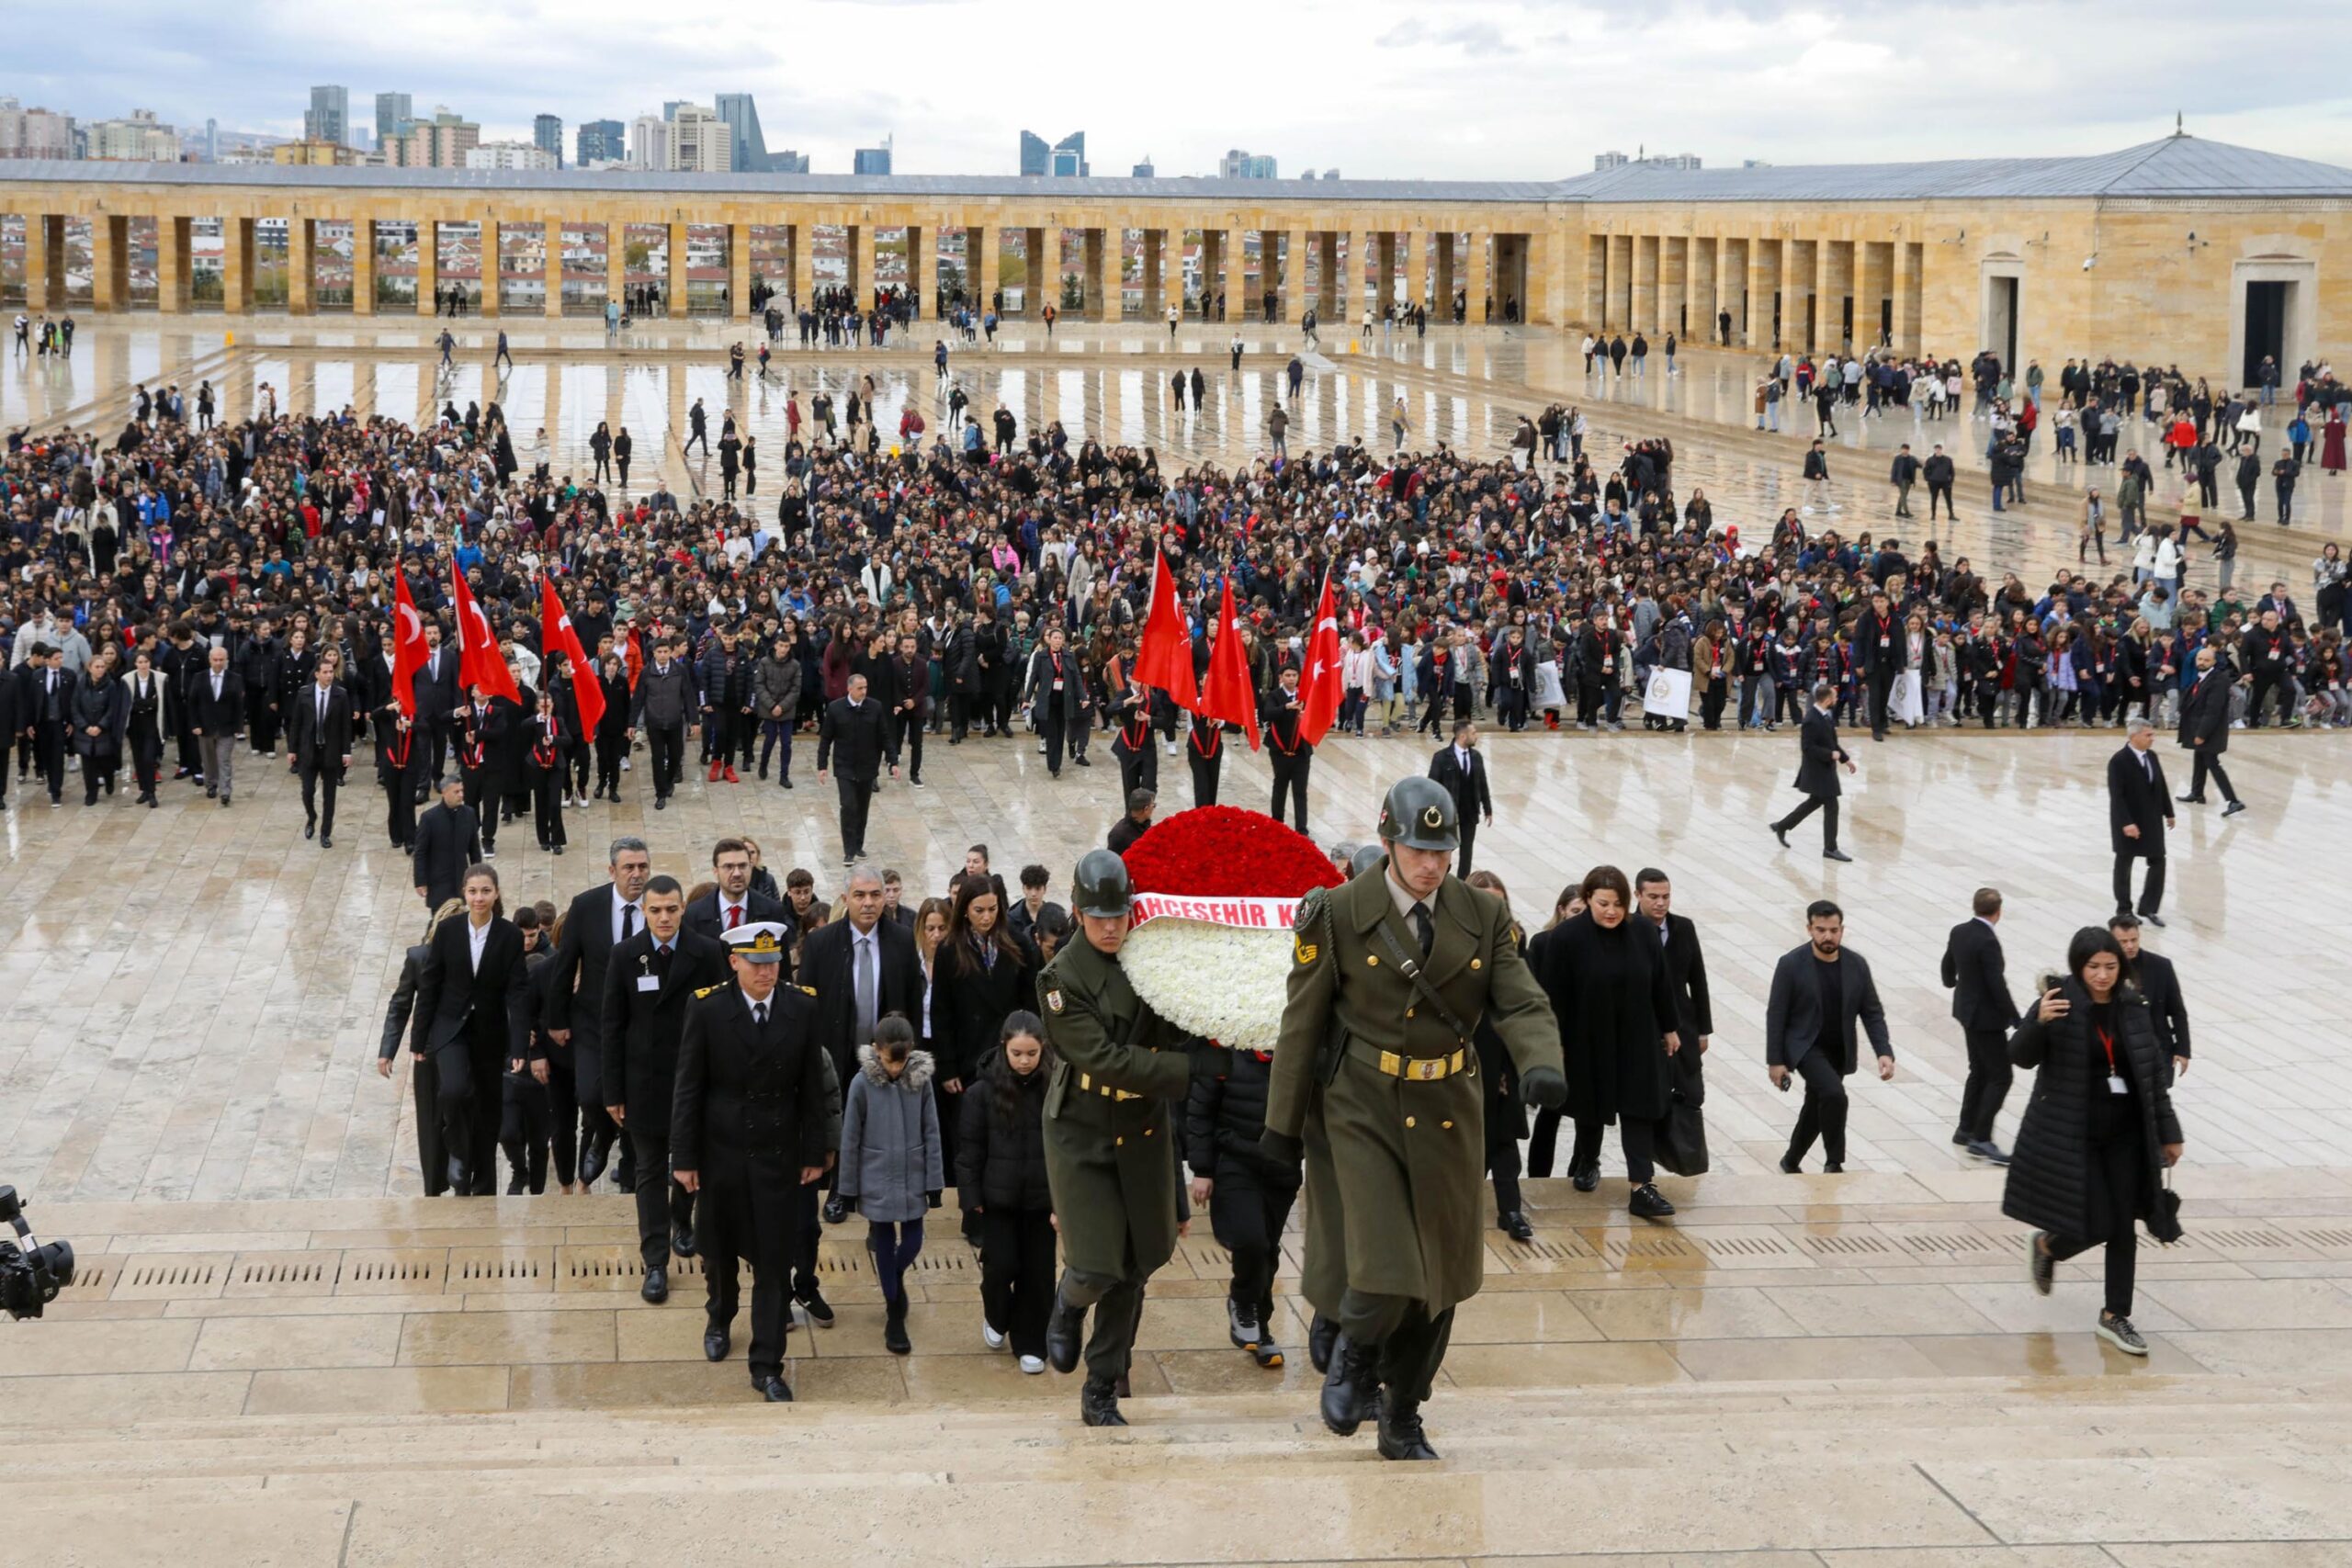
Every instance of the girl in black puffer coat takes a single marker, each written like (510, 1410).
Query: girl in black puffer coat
(2100, 1129)
(1000, 1178)
(1248, 1196)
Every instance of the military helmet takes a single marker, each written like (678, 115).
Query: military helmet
(1102, 888)
(1366, 859)
(1419, 814)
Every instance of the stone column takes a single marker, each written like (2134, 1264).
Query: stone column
(1673, 283)
(428, 265)
(236, 265)
(172, 252)
(1233, 274)
(1332, 290)
(1798, 260)
(1448, 273)
(1705, 261)
(1037, 269)
(1642, 307)
(1417, 246)
(617, 265)
(301, 265)
(673, 292)
(1481, 279)
(1903, 288)
(1542, 303)
(44, 261)
(109, 263)
(804, 264)
(738, 270)
(1154, 256)
(486, 264)
(1384, 257)
(922, 270)
(551, 272)
(1293, 304)
(1102, 297)
(1828, 297)
(983, 265)
(1763, 277)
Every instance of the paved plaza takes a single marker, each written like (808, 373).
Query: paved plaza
(279, 1354)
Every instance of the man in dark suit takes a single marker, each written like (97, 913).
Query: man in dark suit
(648, 980)
(1817, 774)
(907, 700)
(1686, 981)
(448, 840)
(1882, 649)
(1819, 992)
(1287, 749)
(753, 1122)
(319, 739)
(861, 967)
(2160, 983)
(2205, 731)
(1462, 772)
(2137, 815)
(48, 695)
(734, 902)
(217, 716)
(663, 706)
(1975, 975)
(852, 744)
(600, 921)
(434, 688)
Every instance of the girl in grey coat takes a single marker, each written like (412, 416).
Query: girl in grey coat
(775, 701)
(891, 1170)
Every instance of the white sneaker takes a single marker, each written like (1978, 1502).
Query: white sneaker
(1032, 1365)
(989, 1336)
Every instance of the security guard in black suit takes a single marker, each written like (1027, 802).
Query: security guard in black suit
(756, 1117)
(1976, 974)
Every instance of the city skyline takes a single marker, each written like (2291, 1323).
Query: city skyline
(1414, 97)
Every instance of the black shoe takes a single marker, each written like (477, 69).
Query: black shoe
(661, 803)
(514, 1183)
(1351, 1388)
(593, 1157)
(1098, 1404)
(2192, 799)
(1585, 1178)
(1322, 1333)
(715, 1343)
(682, 1241)
(624, 1173)
(788, 784)
(1081, 762)
(836, 1210)
(1514, 1225)
(894, 1329)
(1836, 854)
(812, 1301)
(2231, 809)
(1401, 1437)
(462, 1180)
(656, 1288)
(1988, 1151)
(1241, 1324)
(2040, 1267)
(1648, 1204)
(1781, 833)
(1063, 1327)
(2152, 917)
(1791, 1164)
(326, 841)
(1835, 1168)
(775, 1389)
(310, 828)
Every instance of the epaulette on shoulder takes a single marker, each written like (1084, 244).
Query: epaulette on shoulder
(810, 990)
(705, 992)
(1309, 909)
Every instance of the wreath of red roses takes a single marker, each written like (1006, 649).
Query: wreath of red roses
(1223, 851)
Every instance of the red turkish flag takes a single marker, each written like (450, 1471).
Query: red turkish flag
(478, 660)
(1319, 697)
(1230, 696)
(408, 645)
(1164, 656)
(556, 636)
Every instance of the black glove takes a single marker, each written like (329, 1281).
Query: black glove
(934, 1196)
(1282, 1149)
(1543, 1086)
(1211, 1061)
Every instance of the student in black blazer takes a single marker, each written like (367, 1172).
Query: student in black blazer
(2139, 809)
(434, 688)
(473, 1018)
(1975, 973)
(1802, 1040)
(1462, 772)
(599, 921)
(2159, 982)
(734, 902)
(648, 981)
(1820, 758)
(448, 840)
(547, 740)
(318, 739)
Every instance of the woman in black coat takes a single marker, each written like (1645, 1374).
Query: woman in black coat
(1505, 1115)
(432, 1156)
(472, 1018)
(98, 716)
(1000, 1180)
(982, 975)
(2099, 1131)
(148, 722)
(1607, 982)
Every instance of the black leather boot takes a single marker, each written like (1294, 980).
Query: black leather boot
(1351, 1388)
(1063, 1329)
(1322, 1333)
(1098, 1404)
(1401, 1428)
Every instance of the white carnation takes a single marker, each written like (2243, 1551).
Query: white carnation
(1223, 982)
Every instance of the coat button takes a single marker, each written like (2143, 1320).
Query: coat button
(1408, 1012)
(1447, 1125)
(1371, 960)
(1121, 1142)
(1474, 964)
(1148, 1131)
(1408, 1120)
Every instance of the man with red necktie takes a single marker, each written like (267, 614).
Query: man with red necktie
(734, 902)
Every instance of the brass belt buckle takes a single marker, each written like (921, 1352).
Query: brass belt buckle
(1427, 1068)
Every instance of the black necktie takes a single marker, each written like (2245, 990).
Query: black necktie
(1424, 928)
(759, 1014)
(629, 921)
(661, 960)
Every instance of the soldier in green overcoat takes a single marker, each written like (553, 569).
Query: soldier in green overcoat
(1110, 1155)
(1375, 1086)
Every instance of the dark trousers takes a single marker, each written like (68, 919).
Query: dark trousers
(1939, 494)
(1290, 778)
(469, 1116)
(546, 806)
(894, 1247)
(1989, 1076)
(1633, 1135)
(1412, 1343)
(610, 750)
(97, 771)
(1017, 1274)
(2151, 896)
(482, 794)
(1205, 770)
(661, 1203)
(48, 753)
(2206, 763)
(729, 1239)
(1469, 840)
(1246, 1215)
(432, 1153)
(523, 1126)
(400, 807)
(775, 732)
(1824, 1114)
(857, 798)
(1882, 692)
(1502, 1154)
(318, 777)
(563, 1117)
(1137, 770)
(1824, 804)
(2266, 683)
(1118, 1310)
(1544, 1143)
(1053, 728)
(668, 745)
(2117, 1169)
(906, 740)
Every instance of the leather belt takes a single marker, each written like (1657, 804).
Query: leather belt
(1413, 1069)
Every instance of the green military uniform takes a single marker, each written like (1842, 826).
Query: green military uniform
(1111, 1152)
(1384, 1095)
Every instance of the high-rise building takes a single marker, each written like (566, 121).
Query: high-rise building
(700, 142)
(138, 140)
(1036, 154)
(314, 153)
(1677, 161)
(211, 140)
(649, 142)
(510, 155)
(787, 163)
(34, 132)
(1605, 161)
(742, 116)
(873, 160)
(1064, 159)
(394, 111)
(1237, 164)
(329, 116)
(601, 141)
(1144, 170)
(547, 135)
(441, 142)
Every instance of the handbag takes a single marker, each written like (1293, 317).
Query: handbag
(2164, 1213)
(1678, 1142)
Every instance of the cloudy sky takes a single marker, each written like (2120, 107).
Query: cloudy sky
(1468, 88)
